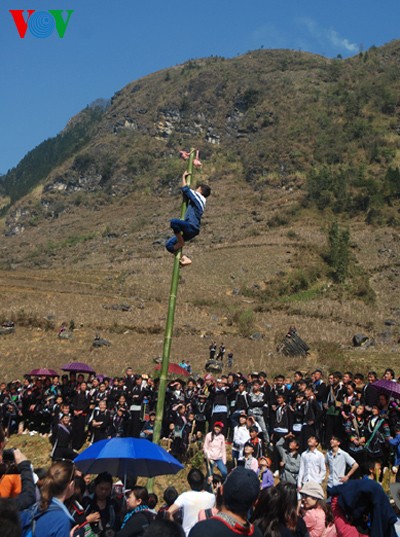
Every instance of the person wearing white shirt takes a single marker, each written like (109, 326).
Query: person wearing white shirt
(337, 461)
(241, 435)
(192, 501)
(312, 464)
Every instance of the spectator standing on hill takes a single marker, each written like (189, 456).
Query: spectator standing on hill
(213, 350)
(221, 352)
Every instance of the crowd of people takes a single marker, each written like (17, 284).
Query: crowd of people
(272, 418)
(64, 503)
(273, 429)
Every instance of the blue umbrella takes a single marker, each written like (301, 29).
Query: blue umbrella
(127, 457)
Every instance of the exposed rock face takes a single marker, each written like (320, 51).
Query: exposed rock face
(72, 181)
(17, 220)
(261, 113)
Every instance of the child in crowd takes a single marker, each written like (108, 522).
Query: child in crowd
(265, 475)
(250, 462)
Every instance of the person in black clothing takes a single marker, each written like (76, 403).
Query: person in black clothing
(28, 402)
(255, 441)
(279, 388)
(297, 377)
(102, 503)
(213, 350)
(100, 422)
(77, 511)
(164, 528)
(201, 409)
(241, 404)
(119, 423)
(80, 404)
(219, 398)
(136, 397)
(129, 380)
(139, 517)
(190, 393)
(319, 386)
(298, 420)
(332, 405)
(312, 414)
(62, 441)
(66, 389)
(370, 394)
(221, 352)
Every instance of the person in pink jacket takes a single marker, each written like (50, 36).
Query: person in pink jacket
(215, 450)
(315, 512)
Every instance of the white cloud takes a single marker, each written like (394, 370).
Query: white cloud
(341, 42)
(327, 36)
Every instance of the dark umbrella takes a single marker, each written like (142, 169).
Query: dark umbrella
(78, 367)
(127, 457)
(43, 372)
(389, 387)
(174, 369)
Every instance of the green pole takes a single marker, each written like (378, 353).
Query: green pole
(169, 327)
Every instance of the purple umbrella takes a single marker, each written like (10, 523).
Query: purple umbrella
(43, 372)
(78, 367)
(389, 387)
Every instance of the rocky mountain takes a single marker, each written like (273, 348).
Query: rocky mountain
(303, 157)
(283, 119)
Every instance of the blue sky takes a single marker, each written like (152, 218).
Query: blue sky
(109, 43)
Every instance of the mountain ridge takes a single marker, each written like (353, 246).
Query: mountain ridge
(292, 145)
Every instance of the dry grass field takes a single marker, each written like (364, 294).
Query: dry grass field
(76, 268)
(89, 261)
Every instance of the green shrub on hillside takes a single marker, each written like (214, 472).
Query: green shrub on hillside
(245, 322)
(338, 254)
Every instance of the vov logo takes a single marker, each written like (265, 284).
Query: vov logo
(41, 24)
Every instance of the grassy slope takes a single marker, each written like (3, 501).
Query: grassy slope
(295, 112)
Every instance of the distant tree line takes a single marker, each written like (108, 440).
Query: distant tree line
(38, 163)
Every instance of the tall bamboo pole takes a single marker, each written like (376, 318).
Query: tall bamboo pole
(170, 321)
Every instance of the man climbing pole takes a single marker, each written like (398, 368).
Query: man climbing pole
(185, 230)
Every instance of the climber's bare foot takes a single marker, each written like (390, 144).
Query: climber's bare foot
(185, 260)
